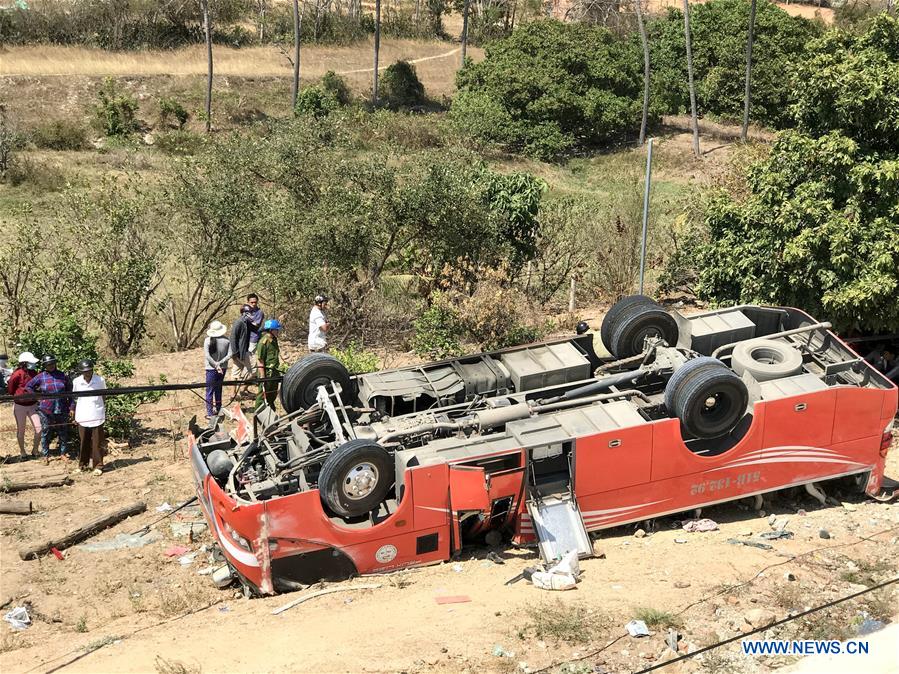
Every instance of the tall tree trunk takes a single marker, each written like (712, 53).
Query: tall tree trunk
(374, 86)
(297, 27)
(465, 8)
(642, 26)
(746, 94)
(207, 27)
(693, 119)
(417, 15)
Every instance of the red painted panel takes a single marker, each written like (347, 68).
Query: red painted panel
(505, 483)
(430, 493)
(468, 488)
(599, 467)
(890, 400)
(857, 413)
(785, 425)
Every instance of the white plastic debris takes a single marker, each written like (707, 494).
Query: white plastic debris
(18, 618)
(637, 628)
(704, 524)
(164, 508)
(187, 559)
(562, 576)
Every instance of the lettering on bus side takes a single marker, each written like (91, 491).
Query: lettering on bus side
(724, 483)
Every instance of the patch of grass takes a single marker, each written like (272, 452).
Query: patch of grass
(60, 134)
(81, 625)
(868, 572)
(571, 623)
(38, 175)
(717, 662)
(881, 604)
(825, 625)
(164, 666)
(177, 600)
(97, 644)
(789, 596)
(655, 618)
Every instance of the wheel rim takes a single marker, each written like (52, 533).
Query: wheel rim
(360, 481)
(311, 391)
(716, 407)
(640, 338)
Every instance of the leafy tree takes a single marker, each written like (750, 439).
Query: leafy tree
(550, 88)
(115, 109)
(819, 229)
(850, 84)
(719, 30)
(400, 86)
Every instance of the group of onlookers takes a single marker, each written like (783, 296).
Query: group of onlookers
(51, 417)
(251, 346)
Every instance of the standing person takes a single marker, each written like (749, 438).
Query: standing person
(216, 352)
(5, 370)
(268, 362)
(90, 415)
(54, 412)
(241, 360)
(318, 325)
(256, 320)
(24, 410)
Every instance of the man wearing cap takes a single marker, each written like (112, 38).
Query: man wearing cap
(216, 352)
(90, 415)
(268, 362)
(241, 358)
(24, 410)
(318, 325)
(54, 412)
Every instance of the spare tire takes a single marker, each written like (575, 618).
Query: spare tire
(608, 321)
(637, 322)
(355, 478)
(302, 379)
(766, 359)
(707, 397)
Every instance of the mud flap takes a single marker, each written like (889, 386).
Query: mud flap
(559, 526)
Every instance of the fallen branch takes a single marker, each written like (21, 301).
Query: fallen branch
(81, 533)
(313, 595)
(16, 508)
(9, 486)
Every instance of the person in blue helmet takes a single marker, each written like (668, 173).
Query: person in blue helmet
(268, 362)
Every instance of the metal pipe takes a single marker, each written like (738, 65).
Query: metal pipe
(645, 212)
(427, 428)
(629, 393)
(597, 386)
(826, 325)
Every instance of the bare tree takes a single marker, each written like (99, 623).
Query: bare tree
(262, 7)
(374, 86)
(297, 27)
(207, 27)
(464, 29)
(693, 119)
(746, 95)
(642, 26)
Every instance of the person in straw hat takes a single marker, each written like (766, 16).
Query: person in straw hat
(216, 352)
(24, 409)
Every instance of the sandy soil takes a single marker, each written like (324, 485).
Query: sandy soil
(121, 610)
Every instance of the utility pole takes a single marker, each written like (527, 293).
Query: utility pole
(645, 42)
(374, 87)
(689, 40)
(204, 4)
(464, 29)
(746, 94)
(297, 27)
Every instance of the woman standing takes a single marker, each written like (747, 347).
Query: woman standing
(24, 410)
(90, 415)
(216, 352)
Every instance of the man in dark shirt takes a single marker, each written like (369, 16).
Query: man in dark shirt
(256, 320)
(54, 412)
(241, 358)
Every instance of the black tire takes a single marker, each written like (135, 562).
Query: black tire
(355, 478)
(707, 397)
(637, 322)
(302, 379)
(608, 321)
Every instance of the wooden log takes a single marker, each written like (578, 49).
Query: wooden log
(16, 507)
(9, 486)
(81, 533)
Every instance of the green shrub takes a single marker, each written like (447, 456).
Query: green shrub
(115, 109)
(550, 88)
(400, 86)
(438, 331)
(170, 109)
(60, 134)
(498, 315)
(179, 142)
(356, 359)
(23, 170)
(325, 97)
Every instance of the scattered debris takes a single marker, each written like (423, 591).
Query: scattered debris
(869, 626)
(16, 508)
(224, 609)
(495, 558)
(562, 576)
(789, 576)
(639, 533)
(524, 575)
(637, 628)
(704, 524)
(188, 559)
(458, 568)
(680, 540)
(751, 544)
(56, 553)
(759, 617)
(176, 551)
(122, 541)
(500, 652)
(672, 639)
(222, 576)
(313, 595)
(681, 584)
(801, 512)
(18, 618)
(775, 535)
(824, 533)
(206, 571)
(453, 599)
(772, 519)
(188, 529)
(164, 508)
(848, 506)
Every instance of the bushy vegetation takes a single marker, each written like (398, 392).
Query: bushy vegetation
(356, 359)
(400, 87)
(60, 134)
(719, 31)
(171, 110)
(114, 111)
(319, 100)
(550, 88)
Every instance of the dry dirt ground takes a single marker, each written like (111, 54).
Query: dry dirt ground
(136, 610)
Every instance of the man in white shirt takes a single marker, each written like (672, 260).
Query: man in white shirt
(318, 325)
(90, 415)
